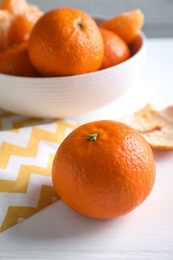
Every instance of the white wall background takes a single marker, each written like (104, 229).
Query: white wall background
(158, 13)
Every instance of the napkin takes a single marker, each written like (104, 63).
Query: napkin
(27, 149)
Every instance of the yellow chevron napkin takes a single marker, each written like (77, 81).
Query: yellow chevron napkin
(27, 148)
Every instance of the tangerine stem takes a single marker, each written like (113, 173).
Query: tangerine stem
(15, 45)
(78, 25)
(92, 137)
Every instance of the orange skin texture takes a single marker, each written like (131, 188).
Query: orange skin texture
(66, 41)
(17, 19)
(14, 7)
(107, 177)
(15, 61)
(5, 23)
(127, 25)
(18, 31)
(116, 49)
(135, 45)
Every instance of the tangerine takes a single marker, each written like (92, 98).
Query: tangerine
(127, 25)
(17, 19)
(5, 23)
(66, 41)
(14, 7)
(116, 49)
(103, 169)
(15, 61)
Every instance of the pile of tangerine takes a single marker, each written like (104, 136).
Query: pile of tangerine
(63, 41)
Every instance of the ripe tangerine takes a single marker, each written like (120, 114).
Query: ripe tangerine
(103, 169)
(66, 41)
(116, 49)
(127, 25)
(17, 19)
(15, 61)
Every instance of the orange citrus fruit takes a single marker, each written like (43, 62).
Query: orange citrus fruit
(66, 41)
(116, 49)
(127, 25)
(103, 169)
(135, 45)
(5, 24)
(15, 61)
(14, 7)
(17, 19)
(22, 25)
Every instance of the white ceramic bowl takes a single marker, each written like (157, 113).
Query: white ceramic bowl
(73, 95)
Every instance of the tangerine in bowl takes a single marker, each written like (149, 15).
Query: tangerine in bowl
(68, 95)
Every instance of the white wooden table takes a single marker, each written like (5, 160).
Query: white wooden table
(146, 233)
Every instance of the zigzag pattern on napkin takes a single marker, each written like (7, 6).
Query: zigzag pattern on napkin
(26, 156)
(16, 214)
(12, 122)
(31, 150)
(25, 172)
(29, 193)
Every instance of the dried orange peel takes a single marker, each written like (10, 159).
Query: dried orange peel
(155, 126)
